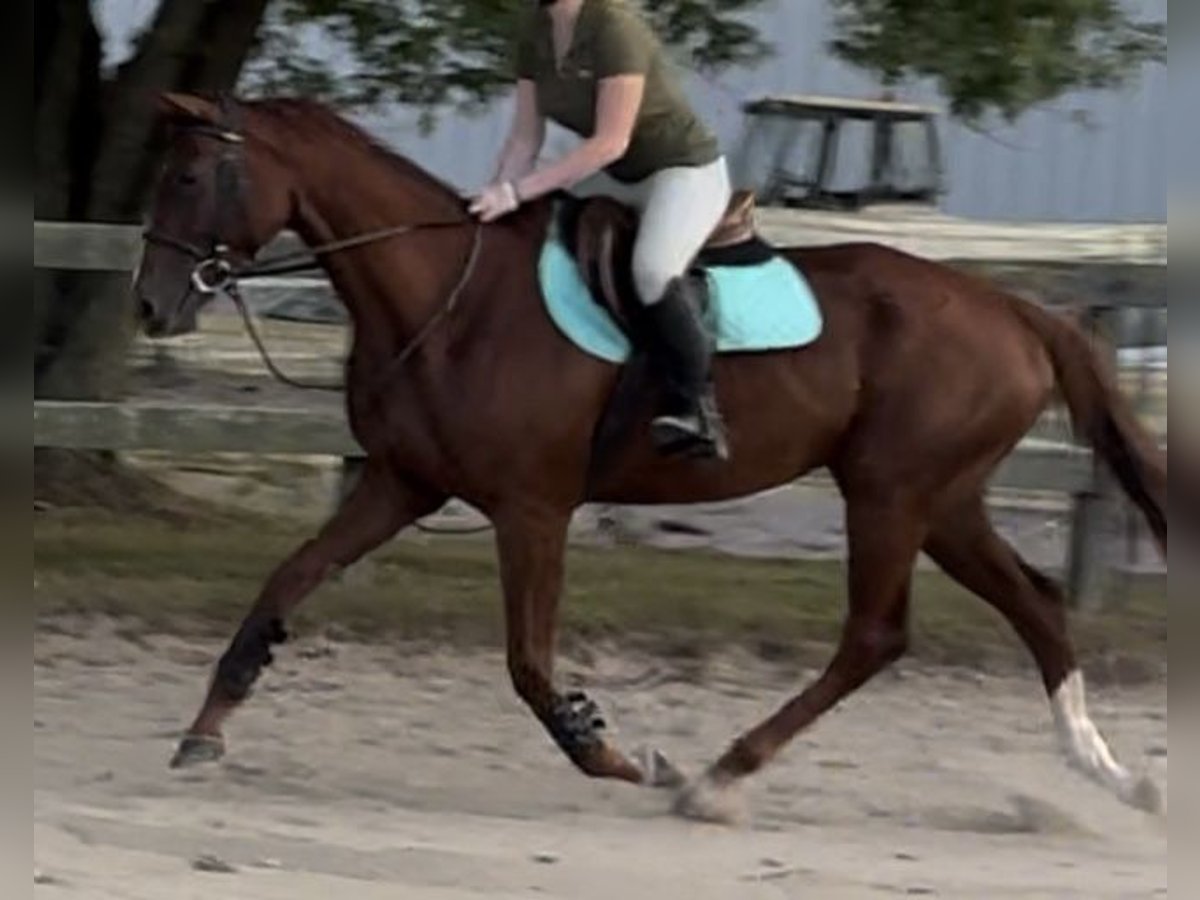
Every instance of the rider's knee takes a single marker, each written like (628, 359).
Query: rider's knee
(651, 277)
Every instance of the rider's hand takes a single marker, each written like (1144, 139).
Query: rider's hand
(495, 200)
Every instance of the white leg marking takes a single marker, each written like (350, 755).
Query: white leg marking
(711, 799)
(1087, 751)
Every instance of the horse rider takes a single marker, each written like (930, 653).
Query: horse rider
(596, 68)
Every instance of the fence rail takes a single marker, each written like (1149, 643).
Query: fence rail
(182, 426)
(100, 247)
(1038, 465)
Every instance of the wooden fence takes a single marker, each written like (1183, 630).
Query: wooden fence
(317, 429)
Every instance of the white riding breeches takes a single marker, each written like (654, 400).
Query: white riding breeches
(678, 210)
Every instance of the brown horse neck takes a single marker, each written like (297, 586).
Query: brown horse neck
(346, 186)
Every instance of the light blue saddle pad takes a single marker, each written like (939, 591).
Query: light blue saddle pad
(762, 307)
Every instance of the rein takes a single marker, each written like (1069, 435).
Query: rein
(217, 272)
(307, 260)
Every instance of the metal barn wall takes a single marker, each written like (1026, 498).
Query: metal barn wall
(1048, 166)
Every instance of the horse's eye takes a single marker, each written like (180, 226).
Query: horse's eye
(186, 179)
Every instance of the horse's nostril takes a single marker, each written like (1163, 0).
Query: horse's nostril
(146, 308)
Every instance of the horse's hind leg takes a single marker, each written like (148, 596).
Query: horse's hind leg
(884, 539)
(531, 544)
(968, 549)
(378, 506)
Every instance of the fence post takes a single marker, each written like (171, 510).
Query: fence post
(1089, 574)
(1142, 335)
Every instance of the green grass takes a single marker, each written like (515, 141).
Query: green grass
(201, 577)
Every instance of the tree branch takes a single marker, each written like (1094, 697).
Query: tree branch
(129, 114)
(191, 45)
(228, 37)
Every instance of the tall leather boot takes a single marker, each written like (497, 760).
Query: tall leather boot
(688, 422)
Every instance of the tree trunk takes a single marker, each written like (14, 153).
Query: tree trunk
(66, 81)
(66, 126)
(97, 152)
(192, 46)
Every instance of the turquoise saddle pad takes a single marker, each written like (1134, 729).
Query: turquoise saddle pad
(768, 306)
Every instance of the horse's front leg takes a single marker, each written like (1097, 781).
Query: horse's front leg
(375, 509)
(531, 545)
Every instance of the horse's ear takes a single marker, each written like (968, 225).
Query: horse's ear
(188, 108)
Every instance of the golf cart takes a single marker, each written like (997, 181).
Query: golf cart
(837, 153)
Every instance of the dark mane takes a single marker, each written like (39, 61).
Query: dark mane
(305, 117)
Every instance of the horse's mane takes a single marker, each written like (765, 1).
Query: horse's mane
(307, 117)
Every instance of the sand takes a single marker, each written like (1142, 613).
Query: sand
(401, 772)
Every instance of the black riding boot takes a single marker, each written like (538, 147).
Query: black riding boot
(688, 422)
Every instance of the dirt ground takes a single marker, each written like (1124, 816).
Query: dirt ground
(387, 772)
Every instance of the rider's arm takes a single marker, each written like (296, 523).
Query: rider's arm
(525, 138)
(618, 100)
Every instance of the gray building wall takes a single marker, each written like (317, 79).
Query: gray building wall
(1047, 166)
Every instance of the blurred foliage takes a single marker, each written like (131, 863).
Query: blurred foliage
(997, 55)
(431, 53)
(984, 55)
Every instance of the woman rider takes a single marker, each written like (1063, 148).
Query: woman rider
(595, 67)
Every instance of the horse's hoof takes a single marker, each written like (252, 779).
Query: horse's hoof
(658, 771)
(1146, 796)
(708, 799)
(195, 749)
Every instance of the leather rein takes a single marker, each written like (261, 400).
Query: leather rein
(217, 271)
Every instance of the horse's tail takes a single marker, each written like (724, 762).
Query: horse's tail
(1102, 415)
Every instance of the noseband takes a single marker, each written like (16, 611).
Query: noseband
(217, 271)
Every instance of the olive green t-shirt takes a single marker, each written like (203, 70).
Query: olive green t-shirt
(612, 39)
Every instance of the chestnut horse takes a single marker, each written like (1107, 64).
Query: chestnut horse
(459, 385)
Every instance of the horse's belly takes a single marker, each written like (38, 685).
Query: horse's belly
(758, 461)
(782, 418)
(657, 483)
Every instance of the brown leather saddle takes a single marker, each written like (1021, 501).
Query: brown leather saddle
(600, 233)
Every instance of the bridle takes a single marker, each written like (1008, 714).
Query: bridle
(217, 269)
